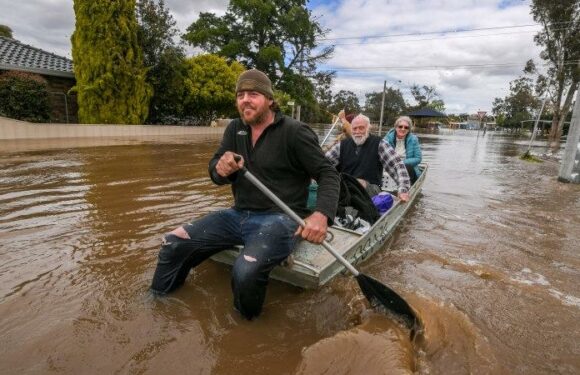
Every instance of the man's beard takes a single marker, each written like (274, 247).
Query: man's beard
(259, 117)
(359, 140)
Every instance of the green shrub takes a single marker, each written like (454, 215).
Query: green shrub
(24, 96)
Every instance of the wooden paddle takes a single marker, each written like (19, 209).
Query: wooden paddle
(379, 295)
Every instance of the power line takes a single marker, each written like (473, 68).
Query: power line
(437, 67)
(426, 39)
(439, 32)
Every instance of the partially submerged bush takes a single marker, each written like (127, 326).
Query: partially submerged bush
(24, 96)
(531, 158)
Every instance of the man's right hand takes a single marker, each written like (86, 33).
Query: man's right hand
(227, 164)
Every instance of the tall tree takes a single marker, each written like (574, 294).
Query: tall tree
(108, 61)
(560, 38)
(322, 88)
(317, 110)
(6, 31)
(277, 37)
(346, 100)
(519, 105)
(163, 59)
(395, 105)
(427, 96)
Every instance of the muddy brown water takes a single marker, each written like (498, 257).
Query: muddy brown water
(488, 256)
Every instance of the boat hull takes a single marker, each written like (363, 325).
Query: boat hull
(312, 266)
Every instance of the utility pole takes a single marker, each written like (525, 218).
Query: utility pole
(570, 168)
(382, 108)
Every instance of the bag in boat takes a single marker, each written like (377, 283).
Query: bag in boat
(383, 202)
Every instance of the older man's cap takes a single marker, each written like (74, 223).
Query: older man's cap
(255, 80)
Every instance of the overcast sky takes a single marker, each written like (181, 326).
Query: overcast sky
(468, 49)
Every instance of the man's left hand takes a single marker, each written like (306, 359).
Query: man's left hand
(404, 197)
(315, 229)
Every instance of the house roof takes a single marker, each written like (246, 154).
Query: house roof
(427, 112)
(15, 55)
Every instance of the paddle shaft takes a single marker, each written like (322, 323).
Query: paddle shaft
(330, 131)
(295, 217)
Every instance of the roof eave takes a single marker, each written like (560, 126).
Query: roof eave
(47, 72)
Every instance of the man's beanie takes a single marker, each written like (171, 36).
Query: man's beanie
(255, 80)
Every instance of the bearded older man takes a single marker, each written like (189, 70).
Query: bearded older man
(365, 156)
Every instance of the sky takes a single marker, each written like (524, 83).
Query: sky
(469, 50)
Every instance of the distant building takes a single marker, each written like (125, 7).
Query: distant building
(57, 70)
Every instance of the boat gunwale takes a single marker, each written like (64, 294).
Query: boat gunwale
(306, 275)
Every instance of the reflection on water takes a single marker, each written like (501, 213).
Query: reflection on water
(488, 256)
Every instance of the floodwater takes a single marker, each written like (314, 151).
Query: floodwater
(488, 256)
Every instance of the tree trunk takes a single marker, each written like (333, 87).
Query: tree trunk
(559, 119)
(554, 127)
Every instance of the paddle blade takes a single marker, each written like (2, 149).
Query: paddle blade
(379, 295)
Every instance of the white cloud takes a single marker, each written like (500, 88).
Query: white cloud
(48, 24)
(418, 46)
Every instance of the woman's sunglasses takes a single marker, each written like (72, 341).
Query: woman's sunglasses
(402, 127)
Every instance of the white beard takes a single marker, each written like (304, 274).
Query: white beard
(359, 140)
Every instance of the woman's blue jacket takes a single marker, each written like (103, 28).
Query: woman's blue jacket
(412, 149)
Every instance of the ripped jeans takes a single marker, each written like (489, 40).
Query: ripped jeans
(268, 239)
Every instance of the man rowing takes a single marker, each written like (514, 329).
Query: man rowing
(282, 153)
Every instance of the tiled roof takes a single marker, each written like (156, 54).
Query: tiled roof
(15, 55)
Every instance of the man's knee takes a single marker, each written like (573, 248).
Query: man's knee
(246, 272)
(169, 246)
(181, 233)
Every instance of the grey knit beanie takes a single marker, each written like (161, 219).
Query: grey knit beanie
(255, 80)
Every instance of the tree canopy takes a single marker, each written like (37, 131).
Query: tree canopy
(427, 96)
(210, 86)
(519, 105)
(346, 100)
(108, 61)
(560, 38)
(163, 59)
(6, 31)
(394, 105)
(276, 37)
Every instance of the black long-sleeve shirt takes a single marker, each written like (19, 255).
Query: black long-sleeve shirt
(285, 159)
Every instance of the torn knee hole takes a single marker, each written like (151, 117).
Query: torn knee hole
(249, 258)
(181, 233)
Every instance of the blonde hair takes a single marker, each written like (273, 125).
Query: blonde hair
(407, 119)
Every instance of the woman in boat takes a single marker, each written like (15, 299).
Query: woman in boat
(406, 145)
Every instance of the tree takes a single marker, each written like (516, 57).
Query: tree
(394, 106)
(346, 100)
(498, 108)
(277, 37)
(108, 61)
(427, 96)
(163, 59)
(210, 87)
(317, 111)
(560, 38)
(322, 91)
(6, 31)
(518, 105)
